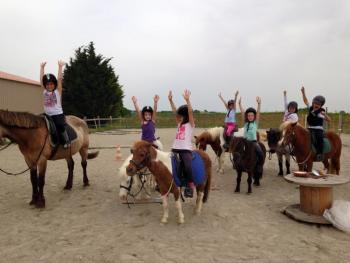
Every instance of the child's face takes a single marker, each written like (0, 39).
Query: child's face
(292, 109)
(179, 118)
(251, 116)
(316, 106)
(147, 116)
(50, 86)
(230, 106)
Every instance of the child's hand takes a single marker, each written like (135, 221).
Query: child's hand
(43, 64)
(220, 95)
(156, 98)
(134, 100)
(302, 89)
(186, 95)
(170, 95)
(236, 94)
(258, 100)
(61, 63)
(284, 92)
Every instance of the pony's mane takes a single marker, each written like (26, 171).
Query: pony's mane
(287, 124)
(20, 119)
(215, 132)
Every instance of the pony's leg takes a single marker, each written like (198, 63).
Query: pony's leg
(326, 165)
(249, 181)
(238, 186)
(221, 162)
(287, 156)
(280, 163)
(41, 182)
(199, 202)
(181, 218)
(165, 209)
(34, 181)
(70, 164)
(83, 153)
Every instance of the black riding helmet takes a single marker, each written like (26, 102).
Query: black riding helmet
(183, 111)
(230, 102)
(247, 111)
(49, 78)
(293, 104)
(147, 109)
(319, 100)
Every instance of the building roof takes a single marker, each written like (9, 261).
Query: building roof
(7, 76)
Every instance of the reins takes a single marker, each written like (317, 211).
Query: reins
(29, 168)
(3, 148)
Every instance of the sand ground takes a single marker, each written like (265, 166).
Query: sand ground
(92, 225)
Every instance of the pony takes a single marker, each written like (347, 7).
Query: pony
(215, 138)
(159, 164)
(31, 134)
(244, 159)
(299, 139)
(273, 137)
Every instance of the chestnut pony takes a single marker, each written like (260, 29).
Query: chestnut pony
(300, 140)
(159, 164)
(29, 131)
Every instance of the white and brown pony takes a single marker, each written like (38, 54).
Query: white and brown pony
(31, 134)
(159, 164)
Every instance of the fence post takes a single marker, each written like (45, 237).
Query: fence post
(95, 123)
(340, 122)
(110, 118)
(99, 121)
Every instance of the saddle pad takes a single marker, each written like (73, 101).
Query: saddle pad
(54, 136)
(198, 170)
(326, 146)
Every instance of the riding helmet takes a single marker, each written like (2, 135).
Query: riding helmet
(49, 78)
(147, 109)
(230, 102)
(293, 104)
(319, 100)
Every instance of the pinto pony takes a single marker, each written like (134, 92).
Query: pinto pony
(273, 137)
(299, 139)
(159, 164)
(244, 159)
(31, 134)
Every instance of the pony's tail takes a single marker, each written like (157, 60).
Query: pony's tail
(207, 186)
(93, 155)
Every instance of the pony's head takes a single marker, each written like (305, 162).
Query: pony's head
(202, 140)
(141, 157)
(288, 133)
(237, 149)
(273, 137)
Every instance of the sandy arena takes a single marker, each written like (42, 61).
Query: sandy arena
(92, 225)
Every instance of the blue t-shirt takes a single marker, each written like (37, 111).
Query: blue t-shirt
(230, 116)
(250, 129)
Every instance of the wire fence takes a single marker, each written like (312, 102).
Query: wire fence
(340, 121)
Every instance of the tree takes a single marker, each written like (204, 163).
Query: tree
(90, 86)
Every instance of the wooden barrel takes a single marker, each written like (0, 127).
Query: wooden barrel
(314, 200)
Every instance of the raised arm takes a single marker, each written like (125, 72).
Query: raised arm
(223, 101)
(155, 107)
(285, 100)
(172, 105)
(186, 96)
(304, 96)
(326, 116)
(137, 108)
(60, 75)
(258, 101)
(42, 72)
(235, 103)
(241, 109)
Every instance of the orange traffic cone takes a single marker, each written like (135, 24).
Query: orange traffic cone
(118, 154)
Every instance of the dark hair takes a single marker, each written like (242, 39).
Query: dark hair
(49, 78)
(247, 111)
(183, 111)
(146, 109)
(293, 104)
(230, 102)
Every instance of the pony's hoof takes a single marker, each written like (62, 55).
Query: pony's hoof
(164, 220)
(280, 174)
(249, 192)
(237, 191)
(221, 171)
(86, 184)
(40, 203)
(67, 187)
(197, 212)
(32, 202)
(181, 221)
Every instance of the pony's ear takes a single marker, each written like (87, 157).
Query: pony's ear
(195, 137)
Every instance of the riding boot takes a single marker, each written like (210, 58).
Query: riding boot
(65, 139)
(227, 139)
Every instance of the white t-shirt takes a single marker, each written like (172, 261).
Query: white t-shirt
(52, 102)
(183, 139)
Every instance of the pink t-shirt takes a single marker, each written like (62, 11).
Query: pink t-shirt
(183, 139)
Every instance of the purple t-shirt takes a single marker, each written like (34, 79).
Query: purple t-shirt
(148, 131)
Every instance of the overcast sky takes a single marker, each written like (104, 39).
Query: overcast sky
(259, 47)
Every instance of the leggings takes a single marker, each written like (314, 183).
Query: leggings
(318, 135)
(60, 122)
(186, 158)
(229, 128)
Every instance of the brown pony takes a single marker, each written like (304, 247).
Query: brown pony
(159, 164)
(300, 140)
(30, 133)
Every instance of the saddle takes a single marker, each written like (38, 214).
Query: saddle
(178, 171)
(54, 137)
